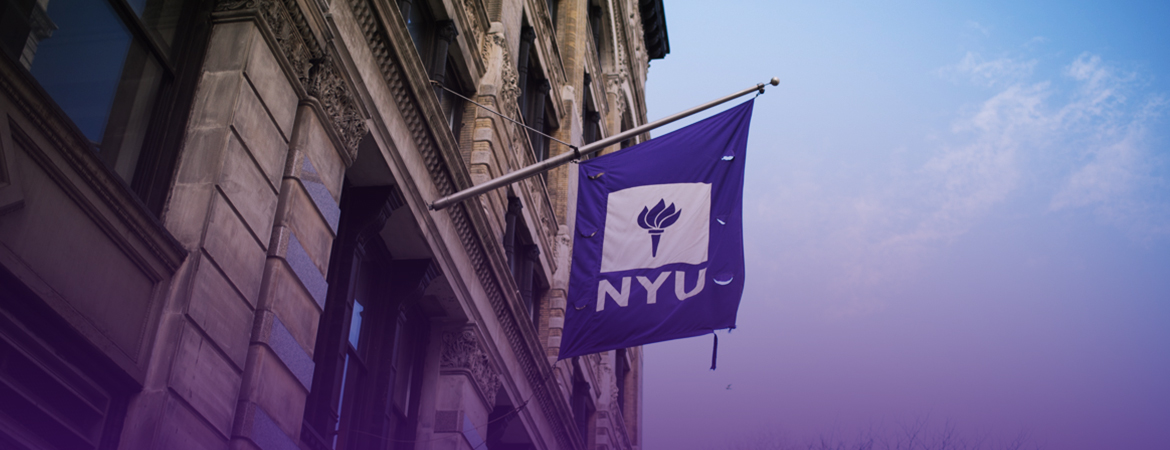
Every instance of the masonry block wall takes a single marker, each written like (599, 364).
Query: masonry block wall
(256, 202)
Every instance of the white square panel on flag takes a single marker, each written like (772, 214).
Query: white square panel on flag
(647, 227)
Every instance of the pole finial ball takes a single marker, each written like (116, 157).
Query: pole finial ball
(775, 81)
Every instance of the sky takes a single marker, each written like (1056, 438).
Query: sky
(956, 216)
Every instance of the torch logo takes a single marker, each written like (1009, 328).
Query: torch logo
(632, 213)
(655, 220)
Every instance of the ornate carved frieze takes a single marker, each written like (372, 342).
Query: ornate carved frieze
(461, 351)
(327, 85)
(615, 87)
(313, 66)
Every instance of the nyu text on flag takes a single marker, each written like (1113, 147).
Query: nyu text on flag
(658, 245)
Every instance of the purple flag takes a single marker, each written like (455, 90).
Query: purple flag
(658, 249)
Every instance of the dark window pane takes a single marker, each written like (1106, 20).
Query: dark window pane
(403, 361)
(130, 116)
(552, 11)
(160, 16)
(355, 324)
(418, 23)
(80, 64)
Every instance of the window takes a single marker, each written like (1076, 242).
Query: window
(524, 261)
(112, 66)
(433, 40)
(535, 97)
(621, 371)
(582, 402)
(595, 27)
(453, 105)
(420, 24)
(534, 90)
(369, 344)
(590, 116)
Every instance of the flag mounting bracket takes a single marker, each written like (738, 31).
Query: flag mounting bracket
(578, 152)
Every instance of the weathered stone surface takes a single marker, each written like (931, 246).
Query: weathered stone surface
(182, 429)
(280, 393)
(290, 352)
(259, 134)
(321, 152)
(296, 309)
(458, 393)
(205, 380)
(268, 435)
(271, 83)
(201, 160)
(309, 226)
(248, 190)
(326, 205)
(230, 43)
(481, 157)
(222, 313)
(305, 271)
(234, 249)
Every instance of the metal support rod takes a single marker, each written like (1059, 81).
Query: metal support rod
(564, 158)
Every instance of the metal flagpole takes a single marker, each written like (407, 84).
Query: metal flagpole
(548, 164)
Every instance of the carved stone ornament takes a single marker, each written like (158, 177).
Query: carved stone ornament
(615, 87)
(461, 351)
(313, 66)
(327, 85)
(510, 91)
(471, 16)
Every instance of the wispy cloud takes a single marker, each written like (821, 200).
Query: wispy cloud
(983, 30)
(1121, 175)
(1081, 138)
(1086, 141)
(996, 72)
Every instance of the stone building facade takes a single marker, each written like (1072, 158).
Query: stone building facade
(214, 223)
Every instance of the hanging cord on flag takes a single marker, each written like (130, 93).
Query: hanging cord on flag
(714, 349)
(517, 122)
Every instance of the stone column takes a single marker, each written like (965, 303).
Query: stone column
(279, 373)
